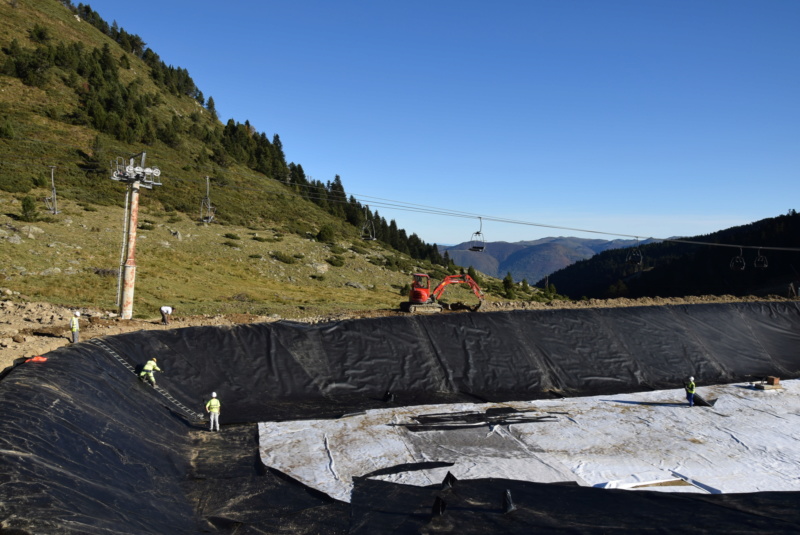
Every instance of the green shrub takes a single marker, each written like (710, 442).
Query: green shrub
(335, 261)
(256, 256)
(297, 227)
(230, 244)
(335, 249)
(6, 130)
(39, 34)
(260, 239)
(231, 236)
(283, 257)
(326, 234)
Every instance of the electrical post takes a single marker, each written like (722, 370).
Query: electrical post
(136, 177)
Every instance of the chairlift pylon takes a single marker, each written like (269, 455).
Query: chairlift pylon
(368, 228)
(737, 262)
(477, 244)
(207, 210)
(761, 261)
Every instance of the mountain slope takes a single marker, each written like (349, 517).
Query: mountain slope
(763, 264)
(532, 260)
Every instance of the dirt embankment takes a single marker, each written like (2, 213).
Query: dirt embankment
(28, 329)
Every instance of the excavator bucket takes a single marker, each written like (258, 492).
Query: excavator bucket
(478, 306)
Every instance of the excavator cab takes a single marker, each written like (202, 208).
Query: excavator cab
(420, 289)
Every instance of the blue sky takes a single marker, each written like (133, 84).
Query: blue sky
(627, 117)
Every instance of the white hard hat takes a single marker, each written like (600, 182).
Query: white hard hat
(691, 378)
(77, 313)
(213, 394)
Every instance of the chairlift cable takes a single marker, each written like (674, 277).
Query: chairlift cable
(418, 208)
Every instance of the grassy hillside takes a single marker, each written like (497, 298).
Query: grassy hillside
(72, 258)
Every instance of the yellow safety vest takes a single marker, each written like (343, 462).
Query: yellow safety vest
(213, 405)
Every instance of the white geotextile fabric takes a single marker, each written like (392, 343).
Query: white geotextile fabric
(748, 442)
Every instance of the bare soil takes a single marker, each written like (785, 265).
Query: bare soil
(28, 329)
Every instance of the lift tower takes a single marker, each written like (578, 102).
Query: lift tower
(135, 176)
(52, 201)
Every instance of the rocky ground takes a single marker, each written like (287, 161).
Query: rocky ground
(28, 329)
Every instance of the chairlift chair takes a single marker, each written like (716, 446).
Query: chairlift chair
(635, 255)
(737, 262)
(761, 260)
(477, 244)
(368, 231)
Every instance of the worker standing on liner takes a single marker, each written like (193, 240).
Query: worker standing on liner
(75, 327)
(148, 371)
(690, 388)
(212, 408)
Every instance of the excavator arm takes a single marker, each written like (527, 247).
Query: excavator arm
(457, 279)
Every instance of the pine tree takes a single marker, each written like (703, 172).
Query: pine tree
(474, 274)
(211, 107)
(29, 212)
(508, 286)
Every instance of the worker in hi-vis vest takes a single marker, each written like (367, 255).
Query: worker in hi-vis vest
(212, 408)
(75, 327)
(147, 373)
(690, 388)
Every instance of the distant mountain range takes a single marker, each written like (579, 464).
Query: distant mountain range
(532, 260)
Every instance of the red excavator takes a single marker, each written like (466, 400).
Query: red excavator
(422, 300)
